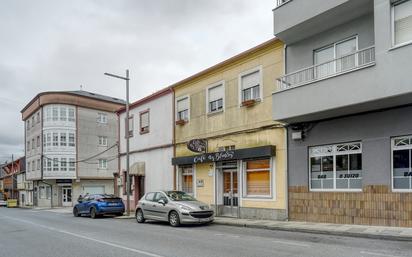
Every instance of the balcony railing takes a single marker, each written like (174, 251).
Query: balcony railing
(281, 2)
(356, 60)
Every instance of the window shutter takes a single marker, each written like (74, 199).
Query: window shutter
(183, 104)
(216, 93)
(250, 80)
(403, 22)
(144, 120)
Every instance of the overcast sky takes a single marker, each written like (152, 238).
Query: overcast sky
(60, 45)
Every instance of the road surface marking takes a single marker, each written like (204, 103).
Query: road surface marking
(378, 254)
(290, 243)
(87, 238)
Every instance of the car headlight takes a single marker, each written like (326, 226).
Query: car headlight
(185, 208)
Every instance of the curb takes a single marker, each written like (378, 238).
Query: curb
(316, 231)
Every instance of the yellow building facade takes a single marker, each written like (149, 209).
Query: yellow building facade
(237, 161)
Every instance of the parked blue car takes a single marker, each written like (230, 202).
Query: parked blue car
(97, 205)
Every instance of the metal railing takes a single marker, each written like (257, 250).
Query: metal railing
(281, 2)
(346, 63)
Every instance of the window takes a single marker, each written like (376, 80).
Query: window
(28, 125)
(55, 139)
(48, 139)
(33, 165)
(144, 122)
(55, 164)
(63, 139)
(102, 164)
(215, 96)
(63, 113)
(257, 178)
(38, 117)
(32, 121)
(48, 164)
(182, 106)
(250, 85)
(72, 166)
(102, 118)
(150, 197)
(336, 167)
(325, 57)
(226, 148)
(71, 114)
(63, 164)
(38, 141)
(71, 140)
(186, 179)
(102, 141)
(48, 113)
(28, 145)
(130, 132)
(28, 166)
(401, 163)
(55, 113)
(402, 22)
(38, 164)
(33, 145)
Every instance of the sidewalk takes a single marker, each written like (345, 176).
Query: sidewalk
(375, 232)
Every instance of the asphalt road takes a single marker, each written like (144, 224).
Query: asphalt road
(29, 233)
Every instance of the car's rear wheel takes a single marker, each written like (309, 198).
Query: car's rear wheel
(174, 219)
(76, 212)
(93, 213)
(139, 216)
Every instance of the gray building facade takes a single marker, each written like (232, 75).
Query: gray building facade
(345, 98)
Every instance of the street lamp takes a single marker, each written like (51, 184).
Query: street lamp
(127, 136)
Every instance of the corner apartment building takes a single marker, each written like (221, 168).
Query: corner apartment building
(237, 155)
(151, 146)
(71, 145)
(346, 96)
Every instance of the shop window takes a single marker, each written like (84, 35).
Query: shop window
(257, 178)
(401, 163)
(186, 178)
(402, 22)
(336, 167)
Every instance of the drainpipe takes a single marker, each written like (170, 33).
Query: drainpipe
(174, 137)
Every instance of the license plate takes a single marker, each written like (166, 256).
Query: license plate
(204, 220)
(112, 204)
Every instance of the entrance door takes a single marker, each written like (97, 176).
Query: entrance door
(67, 196)
(230, 193)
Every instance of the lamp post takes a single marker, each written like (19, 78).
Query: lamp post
(127, 136)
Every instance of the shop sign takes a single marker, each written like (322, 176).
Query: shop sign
(63, 181)
(197, 145)
(214, 157)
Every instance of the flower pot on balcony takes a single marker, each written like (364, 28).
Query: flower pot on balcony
(180, 122)
(249, 103)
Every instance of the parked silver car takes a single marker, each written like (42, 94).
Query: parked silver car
(176, 207)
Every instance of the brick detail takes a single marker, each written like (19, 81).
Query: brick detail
(376, 205)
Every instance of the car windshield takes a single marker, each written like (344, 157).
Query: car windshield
(180, 196)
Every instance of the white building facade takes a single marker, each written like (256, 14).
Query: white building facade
(151, 146)
(71, 145)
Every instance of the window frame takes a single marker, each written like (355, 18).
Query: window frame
(102, 140)
(408, 147)
(129, 133)
(240, 89)
(394, 45)
(333, 154)
(180, 98)
(102, 118)
(221, 83)
(244, 179)
(101, 162)
(141, 130)
(180, 178)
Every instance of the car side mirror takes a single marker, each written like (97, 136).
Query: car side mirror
(162, 201)
(80, 200)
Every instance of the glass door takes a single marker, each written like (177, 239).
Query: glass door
(67, 196)
(230, 193)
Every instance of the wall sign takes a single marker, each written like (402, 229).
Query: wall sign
(197, 145)
(200, 183)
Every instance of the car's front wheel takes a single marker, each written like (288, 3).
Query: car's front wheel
(93, 213)
(76, 212)
(174, 219)
(139, 216)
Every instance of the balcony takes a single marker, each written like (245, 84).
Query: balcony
(347, 63)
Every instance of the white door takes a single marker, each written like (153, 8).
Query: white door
(91, 190)
(67, 196)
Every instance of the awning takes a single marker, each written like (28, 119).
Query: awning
(138, 169)
(230, 155)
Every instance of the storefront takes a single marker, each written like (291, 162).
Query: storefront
(230, 180)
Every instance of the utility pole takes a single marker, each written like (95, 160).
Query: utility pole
(127, 137)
